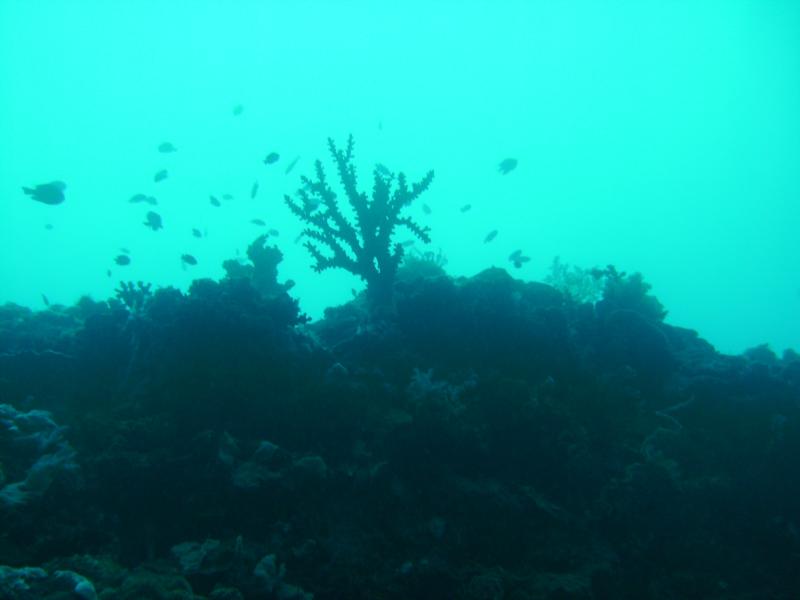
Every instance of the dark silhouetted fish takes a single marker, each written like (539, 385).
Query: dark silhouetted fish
(518, 259)
(426, 209)
(465, 208)
(137, 198)
(47, 193)
(161, 175)
(49, 227)
(254, 190)
(237, 110)
(311, 203)
(108, 273)
(490, 236)
(507, 165)
(521, 261)
(188, 259)
(227, 196)
(167, 147)
(259, 222)
(407, 243)
(153, 221)
(214, 201)
(123, 260)
(45, 300)
(383, 170)
(291, 165)
(197, 233)
(271, 158)
(124, 250)
(274, 232)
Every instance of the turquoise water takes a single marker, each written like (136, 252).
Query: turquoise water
(661, 137)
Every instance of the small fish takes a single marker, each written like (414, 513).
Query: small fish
(490, 236)
(49, 227)
(197, 233)
(237, 110)
(137, 198)
(167, 147)
(407, 243)
(108, 272)
(227, 196)
(517, 258)
(123, 260)
(47, 193)
(271, 158)
(426, 209)
(311, 203)
(273, 232)
(291, 165)
(45, 300)
(124, 250)
(259, 222)
(465, 208)
(160, 176)
(507, 165)
(522, 260)
(153, 221)
(383, 170)
(188, 259)
(214, 201)
(254, 190)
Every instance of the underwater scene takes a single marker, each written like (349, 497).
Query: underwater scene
(427, 300)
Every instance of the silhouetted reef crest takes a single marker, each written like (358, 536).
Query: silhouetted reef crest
(489, 436)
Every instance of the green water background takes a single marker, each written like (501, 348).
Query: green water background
(662, 137)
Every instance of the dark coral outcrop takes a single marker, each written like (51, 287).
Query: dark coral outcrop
(495, 439)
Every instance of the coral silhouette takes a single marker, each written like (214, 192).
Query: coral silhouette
(364, 248)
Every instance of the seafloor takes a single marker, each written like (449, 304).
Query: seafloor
(488, 439)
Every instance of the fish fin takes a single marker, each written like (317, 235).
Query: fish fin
(29, 191)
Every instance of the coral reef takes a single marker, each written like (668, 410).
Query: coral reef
(35, 454)
(134, 296)
(364, 248)
(262, 270)
(499, 440)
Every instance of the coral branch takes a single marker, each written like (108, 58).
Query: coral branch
(365, 247)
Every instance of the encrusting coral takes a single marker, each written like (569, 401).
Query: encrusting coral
(364, 248)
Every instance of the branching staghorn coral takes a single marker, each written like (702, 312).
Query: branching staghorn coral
(134, 296)
(364, 248)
